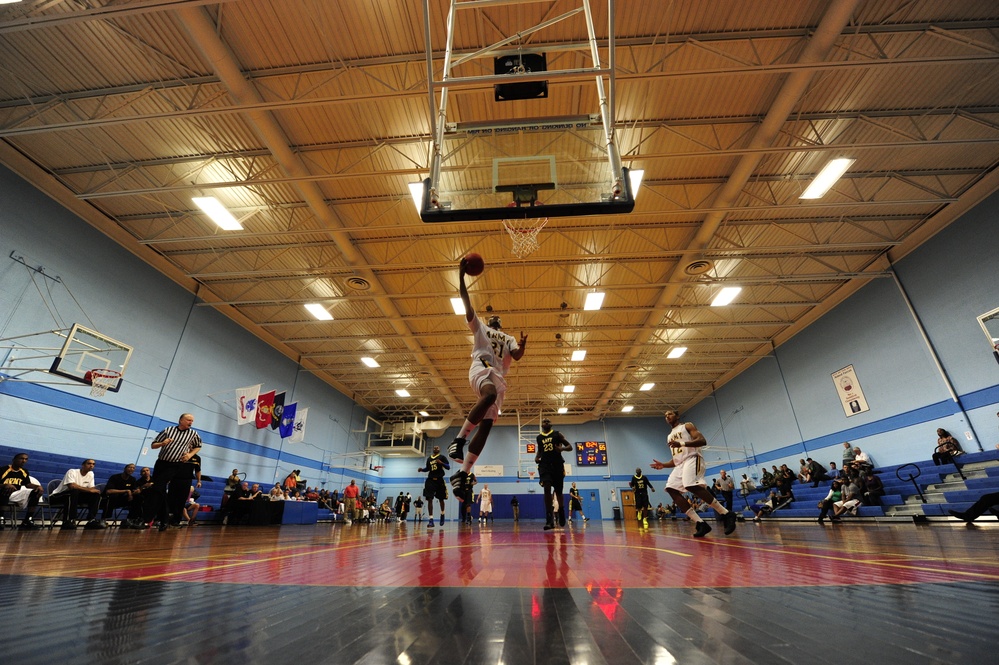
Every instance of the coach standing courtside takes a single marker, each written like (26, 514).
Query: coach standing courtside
(172, 474)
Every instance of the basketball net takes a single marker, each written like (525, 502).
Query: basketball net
(530, 474)
(524, 235)
(101, 380)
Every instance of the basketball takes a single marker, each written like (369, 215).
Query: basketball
(474, 264)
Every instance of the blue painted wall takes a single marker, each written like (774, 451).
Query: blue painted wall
(188, 357)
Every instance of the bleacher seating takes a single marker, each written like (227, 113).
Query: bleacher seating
(942, 487)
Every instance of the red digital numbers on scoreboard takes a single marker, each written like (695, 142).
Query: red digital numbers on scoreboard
(591, 453)
(532, 448)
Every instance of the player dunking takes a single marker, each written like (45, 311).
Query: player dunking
(551, 471)
(434, 487)
(685, 443)
(492, 353)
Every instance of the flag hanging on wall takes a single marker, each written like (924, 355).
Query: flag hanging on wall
(277, 410)
(287, 427)
(265, 403)
(299, 433)
(246, 404)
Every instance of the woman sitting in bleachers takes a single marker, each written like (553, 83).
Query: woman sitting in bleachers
(947, 448)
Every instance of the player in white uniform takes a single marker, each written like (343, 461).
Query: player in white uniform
(492, 353)
(685, 443)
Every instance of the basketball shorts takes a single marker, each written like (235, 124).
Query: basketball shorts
(690, 472)
(574, 504)
(551, 474)
(642, 500)
(479, 375)
(435, 488)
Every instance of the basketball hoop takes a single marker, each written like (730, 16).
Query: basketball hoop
(530, 474)
(524, 238)
(101, 380)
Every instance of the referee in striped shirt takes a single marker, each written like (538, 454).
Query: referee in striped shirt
(172, 474)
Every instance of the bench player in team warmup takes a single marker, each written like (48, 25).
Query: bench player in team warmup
(492, 353)
(685, 442)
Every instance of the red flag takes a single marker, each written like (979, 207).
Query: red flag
(265, 404)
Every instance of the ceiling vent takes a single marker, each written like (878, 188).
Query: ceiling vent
(358, 283)
(698, 267)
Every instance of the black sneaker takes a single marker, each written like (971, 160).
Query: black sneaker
(457, 484)
(730, 520)
(959, 515)
(456, 450)
(68, 524)
(702, 529)
(28, 525)
(94, 524)
(549, 526)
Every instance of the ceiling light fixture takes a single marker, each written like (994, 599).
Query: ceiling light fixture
(212, 207)
(635, 178)
(826, 178)
(370, 362)
(627, 409)
(563, 409)
(578, 354)
(676, 352)
(726, 296)
(402, 392)
(458, 306)
(416, 191)
(647, 387)
(568, 389)
(424, 414)
(318, 311)
(594, 301)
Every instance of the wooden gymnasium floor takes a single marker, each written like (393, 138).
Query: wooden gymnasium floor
(504, 593)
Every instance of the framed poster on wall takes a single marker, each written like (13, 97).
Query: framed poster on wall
(849, 391)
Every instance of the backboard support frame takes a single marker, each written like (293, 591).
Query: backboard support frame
(617, 197)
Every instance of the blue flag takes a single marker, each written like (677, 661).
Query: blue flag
(287, 427)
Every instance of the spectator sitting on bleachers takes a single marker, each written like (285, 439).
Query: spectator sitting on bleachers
(746, 486)
(861, 461)
(849, 500)
(803, 470)
(775, 501)
(873, 488)
(312, 494)
(835, 494)
(661, 512)
(833, 473)
(767, 480)
(16, 488)
(78, 487)
(816, 472)
(847, 454)
(276, 493)
(947, 448)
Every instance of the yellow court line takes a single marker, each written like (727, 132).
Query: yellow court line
(854, 561)
(568, 545)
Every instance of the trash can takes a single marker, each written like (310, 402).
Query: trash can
(617, 513)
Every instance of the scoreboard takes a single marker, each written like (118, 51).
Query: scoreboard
(591, 453)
